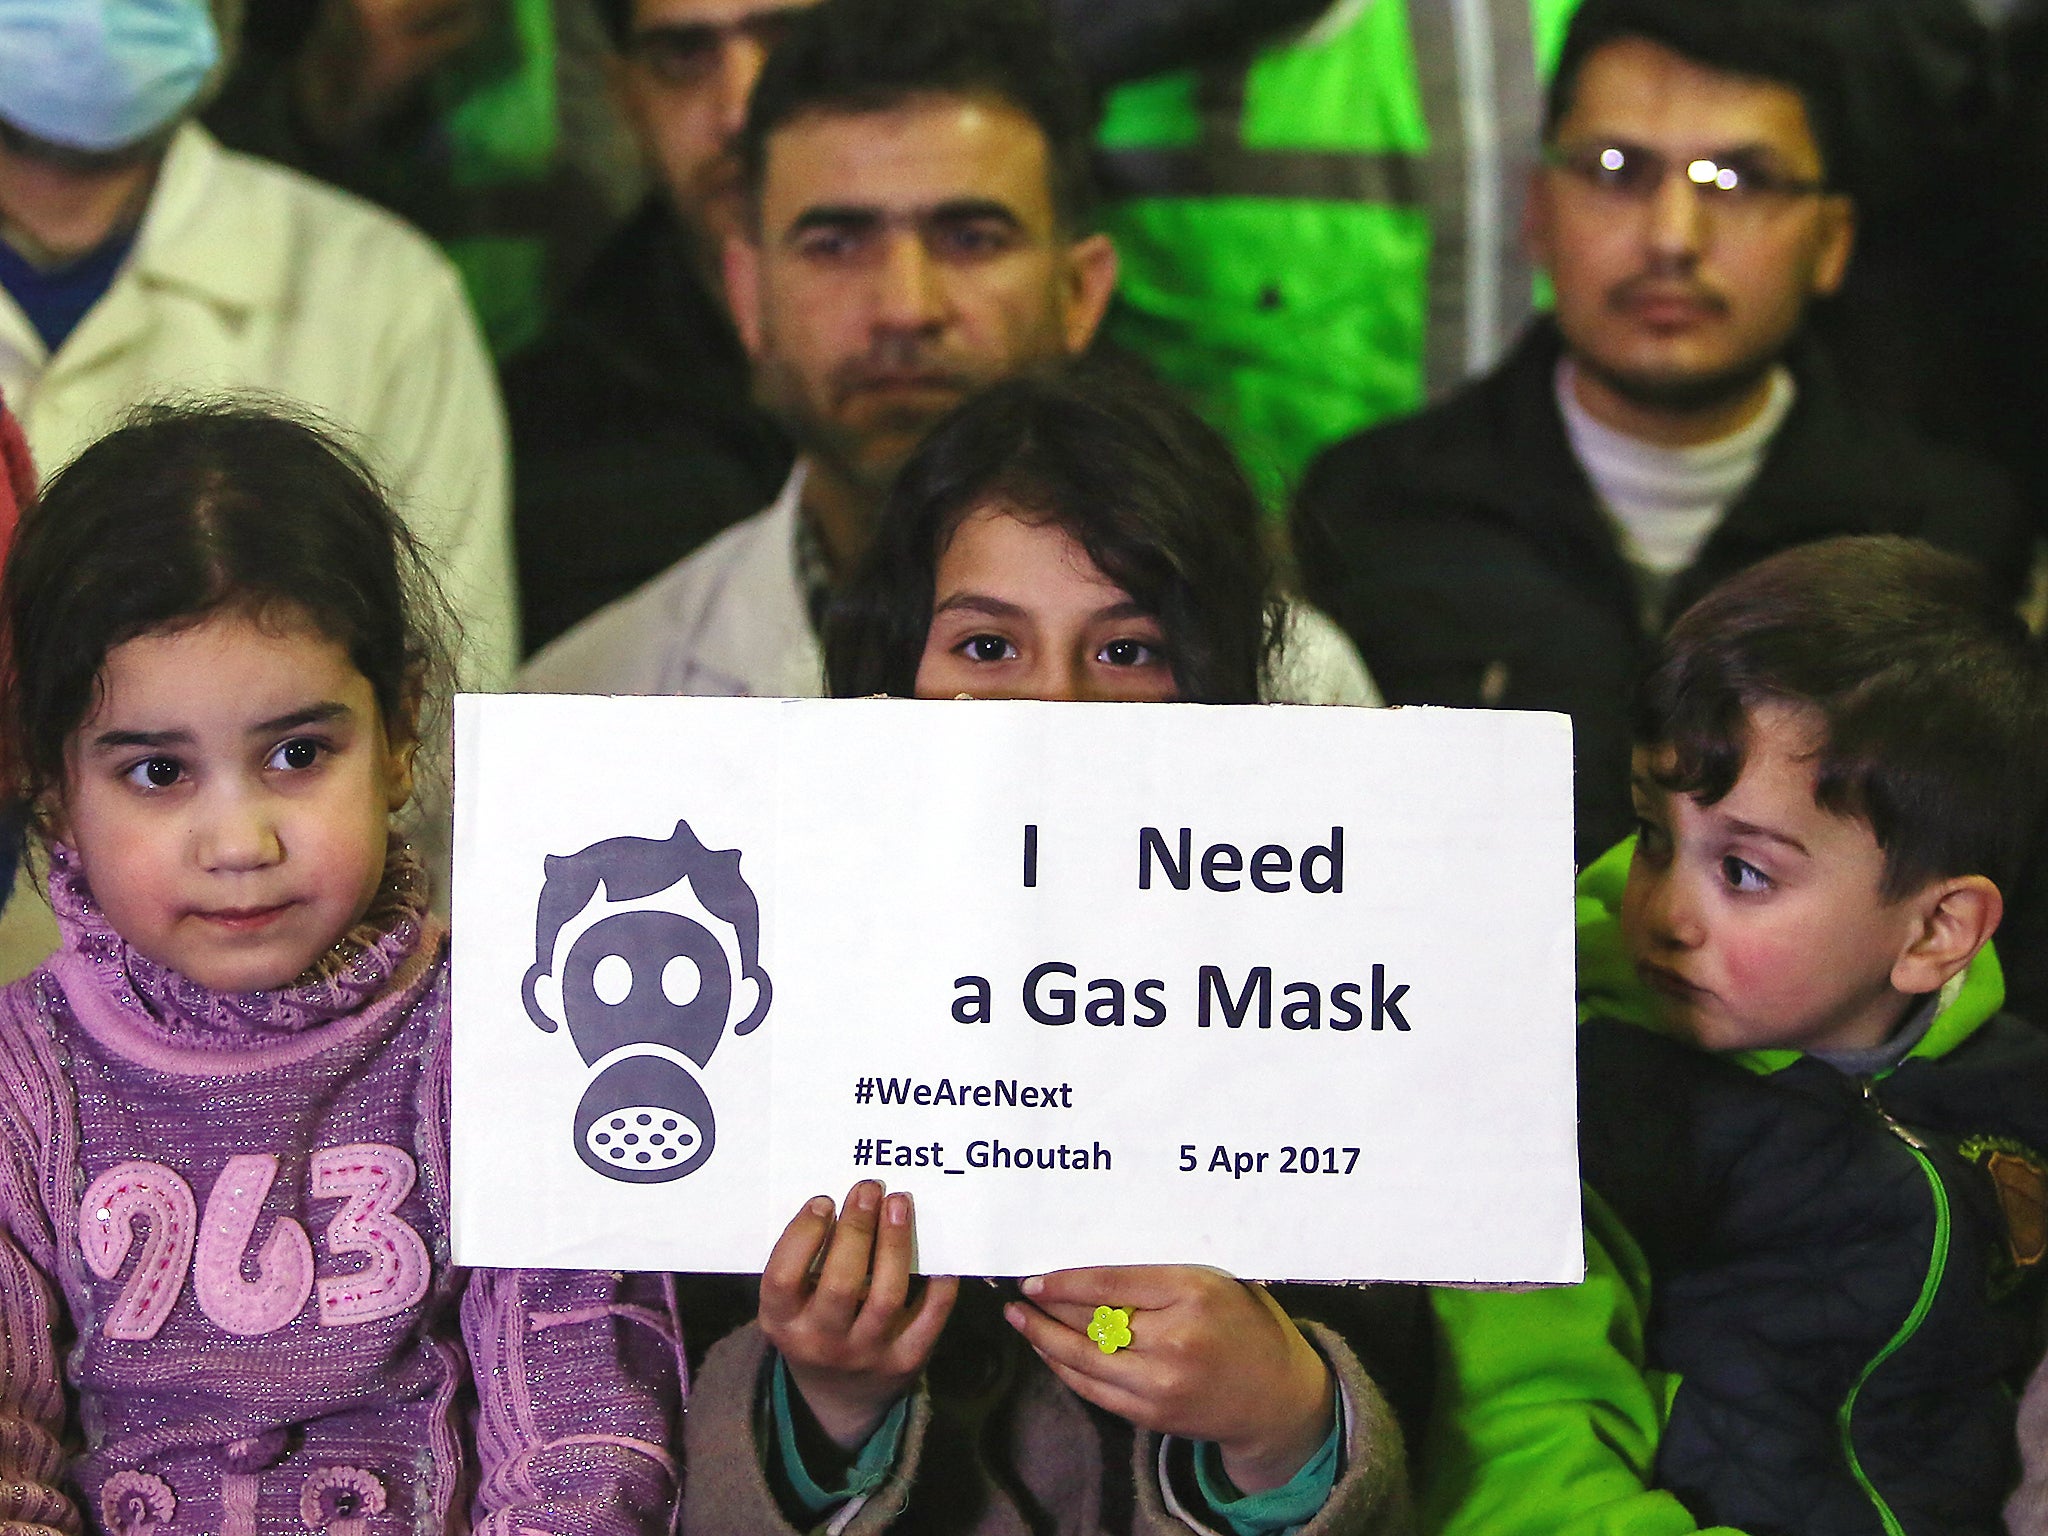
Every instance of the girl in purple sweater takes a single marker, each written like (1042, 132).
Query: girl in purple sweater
(225, 1298)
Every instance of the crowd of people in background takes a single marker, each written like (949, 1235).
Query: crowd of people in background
(1669, 364)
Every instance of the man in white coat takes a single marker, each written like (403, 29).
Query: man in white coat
(918, 199)
(140, 259)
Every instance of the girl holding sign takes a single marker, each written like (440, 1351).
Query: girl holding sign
(1087, 539)
(223, 1103)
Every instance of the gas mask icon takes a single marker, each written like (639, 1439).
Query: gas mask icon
(648, 952)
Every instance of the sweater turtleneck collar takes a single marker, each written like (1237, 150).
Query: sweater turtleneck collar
(178, 1011)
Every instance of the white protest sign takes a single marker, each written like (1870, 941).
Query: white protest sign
(1288, 991)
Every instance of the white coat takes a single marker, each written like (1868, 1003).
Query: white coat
(249, 277)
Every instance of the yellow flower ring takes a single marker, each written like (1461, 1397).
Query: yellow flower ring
(1110, 1328)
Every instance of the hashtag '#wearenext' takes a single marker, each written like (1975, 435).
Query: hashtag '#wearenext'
(864, 1090)
(863, 1152)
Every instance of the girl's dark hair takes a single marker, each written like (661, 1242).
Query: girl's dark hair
(187, 511)
(1933, 703)
(1144, 485)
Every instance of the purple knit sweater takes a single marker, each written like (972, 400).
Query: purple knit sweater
(224, 1226)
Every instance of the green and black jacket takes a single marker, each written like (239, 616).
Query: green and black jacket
(1810, 1297)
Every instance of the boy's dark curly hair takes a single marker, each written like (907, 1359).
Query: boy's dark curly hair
(1932, 699)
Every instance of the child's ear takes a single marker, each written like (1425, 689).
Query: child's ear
(398, 773)
(402, 740)
(46, 817)
(1953, 920)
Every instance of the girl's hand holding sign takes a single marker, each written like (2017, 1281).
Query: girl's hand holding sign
(1210, 1358)
(835, 1304)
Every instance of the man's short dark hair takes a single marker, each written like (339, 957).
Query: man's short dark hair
(1932, 697)
(1785, 44)
(871, 55)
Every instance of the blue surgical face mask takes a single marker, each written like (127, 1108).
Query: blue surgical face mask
(102, 74)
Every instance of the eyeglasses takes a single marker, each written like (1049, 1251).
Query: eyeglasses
(687, 54)
(1737, 183)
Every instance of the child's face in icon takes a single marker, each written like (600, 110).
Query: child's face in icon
(1761, 921)
(1019, 611)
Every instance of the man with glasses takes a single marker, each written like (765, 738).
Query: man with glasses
(635, 436)
(1520, 543)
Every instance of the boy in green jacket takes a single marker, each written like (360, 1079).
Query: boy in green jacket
(1815, 1204)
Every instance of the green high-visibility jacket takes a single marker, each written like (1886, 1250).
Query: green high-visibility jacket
(1325, 234)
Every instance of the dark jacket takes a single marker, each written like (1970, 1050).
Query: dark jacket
(1464, 551)
(634, 433)
(1808, 1301)
(1803, 1267)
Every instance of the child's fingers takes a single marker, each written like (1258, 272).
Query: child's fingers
(1111, 1397)
(914, 1345)
(786, 1278)
(1072, 1295)
(1151, 1286)
(842, 1284)
(1071, 1314)
(889, 1282)
(1071, 1349)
